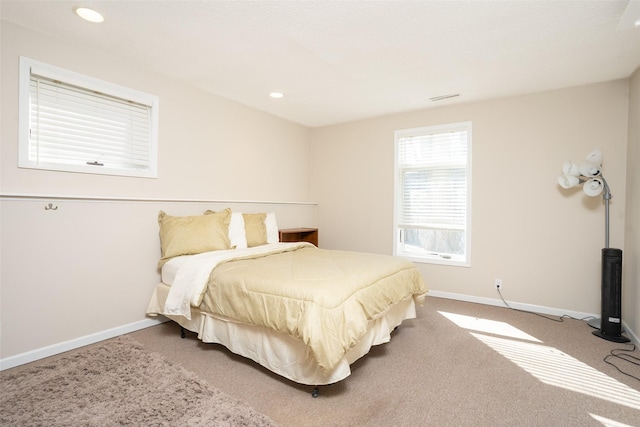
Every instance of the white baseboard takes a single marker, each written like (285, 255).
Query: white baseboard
(529, 307)
(630, 333)
(41, 353)
(519, 306)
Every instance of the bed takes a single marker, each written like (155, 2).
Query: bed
(302, 312)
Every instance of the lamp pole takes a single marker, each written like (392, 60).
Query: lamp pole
(606, 196)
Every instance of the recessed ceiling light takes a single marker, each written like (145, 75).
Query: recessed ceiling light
(276, 95)
(631, 16)
(89, 14)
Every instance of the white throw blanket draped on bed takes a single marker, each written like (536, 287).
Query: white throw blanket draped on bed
(191, 278)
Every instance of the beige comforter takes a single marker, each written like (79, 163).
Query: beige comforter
(323, 298)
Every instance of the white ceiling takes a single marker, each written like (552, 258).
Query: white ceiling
(339, 61)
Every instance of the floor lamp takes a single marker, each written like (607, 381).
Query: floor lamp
(589, 174)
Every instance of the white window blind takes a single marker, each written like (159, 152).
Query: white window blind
(79, 124)
(432, 193)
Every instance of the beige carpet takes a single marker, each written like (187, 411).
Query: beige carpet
(113, 383)
(458, 364)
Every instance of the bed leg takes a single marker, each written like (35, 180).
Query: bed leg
(182, 332)
(315, 392)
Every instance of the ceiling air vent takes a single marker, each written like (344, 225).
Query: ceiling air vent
(441, 97)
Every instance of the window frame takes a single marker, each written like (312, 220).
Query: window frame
(91, 84)
(398, 244)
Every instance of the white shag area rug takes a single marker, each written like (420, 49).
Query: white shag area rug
(116, 382)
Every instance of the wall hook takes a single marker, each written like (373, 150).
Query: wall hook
(50, 207)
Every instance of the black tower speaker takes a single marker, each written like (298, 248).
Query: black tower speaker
(611, 320)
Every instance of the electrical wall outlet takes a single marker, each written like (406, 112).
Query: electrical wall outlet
(498, 283)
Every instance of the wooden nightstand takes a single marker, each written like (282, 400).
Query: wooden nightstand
(299, 235)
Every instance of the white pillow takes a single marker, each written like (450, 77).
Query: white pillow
(273, 236)
(237, 234)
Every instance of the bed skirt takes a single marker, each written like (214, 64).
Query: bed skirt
(280, 353)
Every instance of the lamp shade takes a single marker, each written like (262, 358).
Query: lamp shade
(568, 181)
(589, 169)
(593, 187)
(570, 168)
(595, 156)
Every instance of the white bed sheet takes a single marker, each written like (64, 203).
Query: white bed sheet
(275, 351)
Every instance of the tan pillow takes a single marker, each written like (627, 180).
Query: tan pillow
(187, 235)
(255, 229)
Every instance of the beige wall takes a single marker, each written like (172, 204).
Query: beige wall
(209, 147)
(631, 255)
(543, 242)
(90, 266)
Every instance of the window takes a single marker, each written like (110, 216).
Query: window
(433, 194)
(74, 123)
